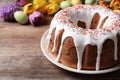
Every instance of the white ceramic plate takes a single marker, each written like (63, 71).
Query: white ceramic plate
(44, 44)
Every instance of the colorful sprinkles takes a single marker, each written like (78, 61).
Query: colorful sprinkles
(64, 15)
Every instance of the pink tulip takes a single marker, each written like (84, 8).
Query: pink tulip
(36, 18)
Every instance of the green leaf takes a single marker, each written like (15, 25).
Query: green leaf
(31, 1)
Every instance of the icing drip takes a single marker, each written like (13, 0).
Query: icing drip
(80, 50)
(101, 40)
(83, 37)
(115, 47)
(59, 53)
(55, 39)
(99, 49)
(115, 53)
(60, 50)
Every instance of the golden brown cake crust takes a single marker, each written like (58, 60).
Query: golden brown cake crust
(95, 21)
(69, 54)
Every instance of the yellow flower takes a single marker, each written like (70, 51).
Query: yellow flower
(115, 4)
(69, 0)
(76, 2)
(38, 1)
(118, 11)
(55, 1)
(52, 8)
(40, 6)
(103, 3)
(28, 8)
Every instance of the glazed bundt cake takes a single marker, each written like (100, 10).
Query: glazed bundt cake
(85, 37)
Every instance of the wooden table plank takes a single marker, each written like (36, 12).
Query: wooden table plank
(22, 59)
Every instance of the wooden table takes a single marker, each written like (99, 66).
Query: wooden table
(22, 59)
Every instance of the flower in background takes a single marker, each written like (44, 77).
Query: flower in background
(42, 8)
(52, 8)
(29, 8)
(40, 5)
(37, 2)
(37, 5)
(115, 4)
(69, 0)
(36, 18)
(55, 1)
(31, 1)
(103, 3)
(7, 11)
(22, 2)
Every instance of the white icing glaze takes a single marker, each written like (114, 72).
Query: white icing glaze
(83, 37)
(55, 38)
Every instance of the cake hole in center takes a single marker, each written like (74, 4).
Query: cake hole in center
(81, 24)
